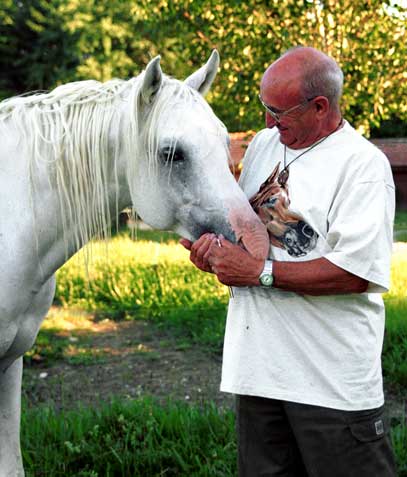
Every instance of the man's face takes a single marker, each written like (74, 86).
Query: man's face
(280, 90)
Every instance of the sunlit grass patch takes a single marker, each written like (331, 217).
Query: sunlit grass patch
(396, 297)
(155, 281)
(86, 355)
(395, 343)
(398, 288)
(152, 280)
(79, 355)
(63, 331)
(68, 320)
(137, 279)
(69, 334)
(123, 248)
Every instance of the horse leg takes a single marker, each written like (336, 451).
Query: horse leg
(11, 367)
(11, 464)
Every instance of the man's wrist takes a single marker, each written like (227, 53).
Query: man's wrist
(266, 277)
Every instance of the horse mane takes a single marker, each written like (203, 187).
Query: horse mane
(77, 132)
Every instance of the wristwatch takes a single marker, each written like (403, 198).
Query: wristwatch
(266, 276)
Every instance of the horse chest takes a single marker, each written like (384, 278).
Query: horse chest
(19, 326)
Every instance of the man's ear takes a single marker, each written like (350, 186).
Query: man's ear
(321, 105)
(202, 79)
(152, 80)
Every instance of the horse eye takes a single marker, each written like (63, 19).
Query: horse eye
(171, 155)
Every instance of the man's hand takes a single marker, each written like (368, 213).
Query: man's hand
(199, 250)
(233, 265)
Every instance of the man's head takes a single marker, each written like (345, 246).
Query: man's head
(301, 92)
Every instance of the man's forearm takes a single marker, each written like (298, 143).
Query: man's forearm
(235, 267)
(316, 277)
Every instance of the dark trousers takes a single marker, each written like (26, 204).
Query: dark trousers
(286, 439)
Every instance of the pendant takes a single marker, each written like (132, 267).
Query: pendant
(283, 177)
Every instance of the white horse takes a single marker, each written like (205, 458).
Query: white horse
(70, 160)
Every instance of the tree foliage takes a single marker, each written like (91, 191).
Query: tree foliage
(47, 42)
(36, 51)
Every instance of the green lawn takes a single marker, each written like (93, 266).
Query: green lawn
(141, 439)
(400, 226)
(401, 218)
(153, 279)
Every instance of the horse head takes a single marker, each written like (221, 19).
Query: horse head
(181, 180)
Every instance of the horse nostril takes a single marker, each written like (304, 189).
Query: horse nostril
(220, 229)
(229, 235)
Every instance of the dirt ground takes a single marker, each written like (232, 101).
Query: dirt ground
(134, 359)
(131, 359)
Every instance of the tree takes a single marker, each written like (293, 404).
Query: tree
(47, 42)
(36, 50)
(364, 37)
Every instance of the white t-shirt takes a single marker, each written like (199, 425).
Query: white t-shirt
(319, 350)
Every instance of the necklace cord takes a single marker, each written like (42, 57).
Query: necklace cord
(284, 174)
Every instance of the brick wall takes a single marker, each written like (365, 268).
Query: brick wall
(395, 150)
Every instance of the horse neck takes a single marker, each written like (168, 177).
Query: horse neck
(87, 197)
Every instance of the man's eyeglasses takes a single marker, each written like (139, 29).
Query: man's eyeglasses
(277, 114)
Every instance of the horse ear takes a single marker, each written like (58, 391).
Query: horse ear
(152, 80)
(202, 79)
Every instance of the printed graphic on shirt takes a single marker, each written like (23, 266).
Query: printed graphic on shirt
(286, 229)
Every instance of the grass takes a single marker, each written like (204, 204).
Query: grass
(148, 280)
(62, 338)
(153, 279)
(134, 277)
(395, 343)
(138, 438)
(141, 438)
(400, 226)
(400, 219)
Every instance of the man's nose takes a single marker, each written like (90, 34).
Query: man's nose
(270, 121)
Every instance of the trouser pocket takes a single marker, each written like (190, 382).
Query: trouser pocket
(371, 451)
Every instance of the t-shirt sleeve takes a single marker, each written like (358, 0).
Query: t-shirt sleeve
(360, 224)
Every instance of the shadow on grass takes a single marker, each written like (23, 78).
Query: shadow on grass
(69, 335)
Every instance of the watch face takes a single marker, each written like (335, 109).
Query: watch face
(266, 280)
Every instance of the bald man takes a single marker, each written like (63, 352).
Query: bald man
(304, 332)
